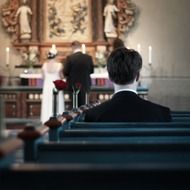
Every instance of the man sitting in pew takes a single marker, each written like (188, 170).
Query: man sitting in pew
(124, 67)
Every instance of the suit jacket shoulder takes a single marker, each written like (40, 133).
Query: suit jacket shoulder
(128, 107)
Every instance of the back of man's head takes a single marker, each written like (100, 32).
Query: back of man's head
(124, 65)
(75, 45)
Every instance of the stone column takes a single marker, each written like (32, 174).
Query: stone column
(100, 32)
(33, 5)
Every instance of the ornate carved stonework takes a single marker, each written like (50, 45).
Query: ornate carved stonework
(119, 17)
(67, 20)
(16, 18)
(126, 15)
(60, 22)
(8, 12)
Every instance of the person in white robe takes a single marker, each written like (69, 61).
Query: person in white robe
(51, 70)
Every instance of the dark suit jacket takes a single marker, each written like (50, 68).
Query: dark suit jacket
(78, 68)
(126, 106)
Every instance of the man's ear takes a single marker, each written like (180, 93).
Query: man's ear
(138, 76)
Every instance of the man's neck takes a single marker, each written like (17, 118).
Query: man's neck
(130, 87)
(77, 50)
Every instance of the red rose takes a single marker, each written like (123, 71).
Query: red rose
(78, 85)
(60, 84)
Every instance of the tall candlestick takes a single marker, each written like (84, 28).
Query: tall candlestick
(150, 54)
(139, 48)
(53, 46)
(83, 48)
(7, 56)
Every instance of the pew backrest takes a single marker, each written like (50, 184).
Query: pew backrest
(84, 176)
(110, 133)
(128, 124)
(120, 151)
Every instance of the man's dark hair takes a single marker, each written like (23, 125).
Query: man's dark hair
(124, 65)
(76, 44)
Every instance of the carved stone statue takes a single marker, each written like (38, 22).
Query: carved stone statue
(24, 12)
(110, 14)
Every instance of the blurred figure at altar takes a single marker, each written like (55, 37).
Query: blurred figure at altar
(118, 43)
(77, 69)
(51, 70)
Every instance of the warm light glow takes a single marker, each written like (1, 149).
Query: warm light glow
(7, 49)
(53, 46)
(83, 48)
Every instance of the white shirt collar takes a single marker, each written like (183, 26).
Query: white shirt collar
(77, 50)
(131, 87)
(127, 89)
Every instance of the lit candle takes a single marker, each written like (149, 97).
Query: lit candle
(150, 54)
(53, 46)
(7, 56)
(83, 48)
(139, 48)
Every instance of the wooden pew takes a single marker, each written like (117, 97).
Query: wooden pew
(139, 149)
(116, 133)
(31, 137)
(8, 148)
(180, 113)
(80, 125)
(74, 118)
(180, 116)
(96, 176)
(143, 132)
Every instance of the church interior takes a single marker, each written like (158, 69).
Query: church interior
(65, 151)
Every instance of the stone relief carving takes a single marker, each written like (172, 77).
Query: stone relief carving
(68, 20)
(126, 15)
(9, 21)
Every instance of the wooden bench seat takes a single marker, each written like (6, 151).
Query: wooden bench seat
(128, 124)
(178, 134)
(114, 133)
(181, 118)
(8, 148)
(177, 116)
(180, 113)
(96, 177)
(137, 150)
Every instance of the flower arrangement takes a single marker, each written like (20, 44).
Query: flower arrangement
(30, 57)
(100, 56)
(60, 84)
